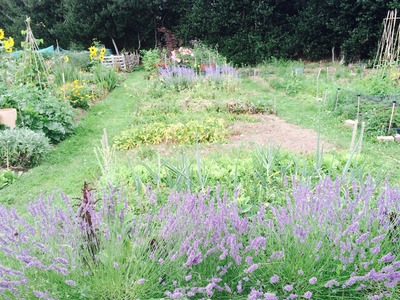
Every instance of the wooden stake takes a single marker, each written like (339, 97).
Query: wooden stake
(337, 98)
(115, 46)
(353, 138)
(391, 116)
(361, 138)
(358, 106)
(319, 73)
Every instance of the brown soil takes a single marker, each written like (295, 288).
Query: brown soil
(272, 130)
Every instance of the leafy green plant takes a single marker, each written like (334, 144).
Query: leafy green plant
(151, 60)
(66, 69)
(377, 122)
(249, 107)
(105, 77)
(7, 177)
(40, 110)
(211, 130)
(22, 148)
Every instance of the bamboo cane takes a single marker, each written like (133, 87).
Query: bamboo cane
(391, 116)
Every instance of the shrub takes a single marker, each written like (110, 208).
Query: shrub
(40, 110)
(22, 148)
(151, 59)
(182, 77)
(327, 242)
(211, 130)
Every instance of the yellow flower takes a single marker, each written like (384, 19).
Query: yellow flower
(103, 50)
(101, 57)
(66, 58)
(1, 34)
(93, 50)
(8, 44)
(11, 41)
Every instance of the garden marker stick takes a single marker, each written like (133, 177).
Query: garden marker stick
(361, 138)
(353, 138)
(358, 106)
(337, 97)
(391, 116)
(319, 73)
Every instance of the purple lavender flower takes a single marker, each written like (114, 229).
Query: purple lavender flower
(252, 268)
(248, 260)
(300, 272)
(387, 258)
(274, 279)
(115, 265)
(227, 288)
(375, 297)
(313, 280)
(288, 288)
(188, 277)
(307, 295)
(331, 283)
(376, 249)
(239, 287)
(362, 238)
(270, 296)
(141, 281)
(41, 295)
(70, 282)
(378, 238)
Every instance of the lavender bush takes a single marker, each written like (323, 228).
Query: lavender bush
(182, 77)
(326, 242)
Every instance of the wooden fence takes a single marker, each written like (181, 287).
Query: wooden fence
(125, 62)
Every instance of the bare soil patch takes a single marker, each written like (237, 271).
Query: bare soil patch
(272, 130)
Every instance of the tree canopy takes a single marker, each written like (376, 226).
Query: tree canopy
(246, 31)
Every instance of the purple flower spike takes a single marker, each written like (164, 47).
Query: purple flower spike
(307, 295)
(70, 282)
(274, 279)
(387, 258)
(288, 288)
(313, 280)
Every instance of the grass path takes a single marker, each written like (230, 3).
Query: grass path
(73, 161)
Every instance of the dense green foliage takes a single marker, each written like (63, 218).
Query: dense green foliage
(245, 31)
(22, 148)
(39, 110)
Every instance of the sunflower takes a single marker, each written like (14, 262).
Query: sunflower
(8, 44)
(103, 50)
(93, 50)
(1, 34)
